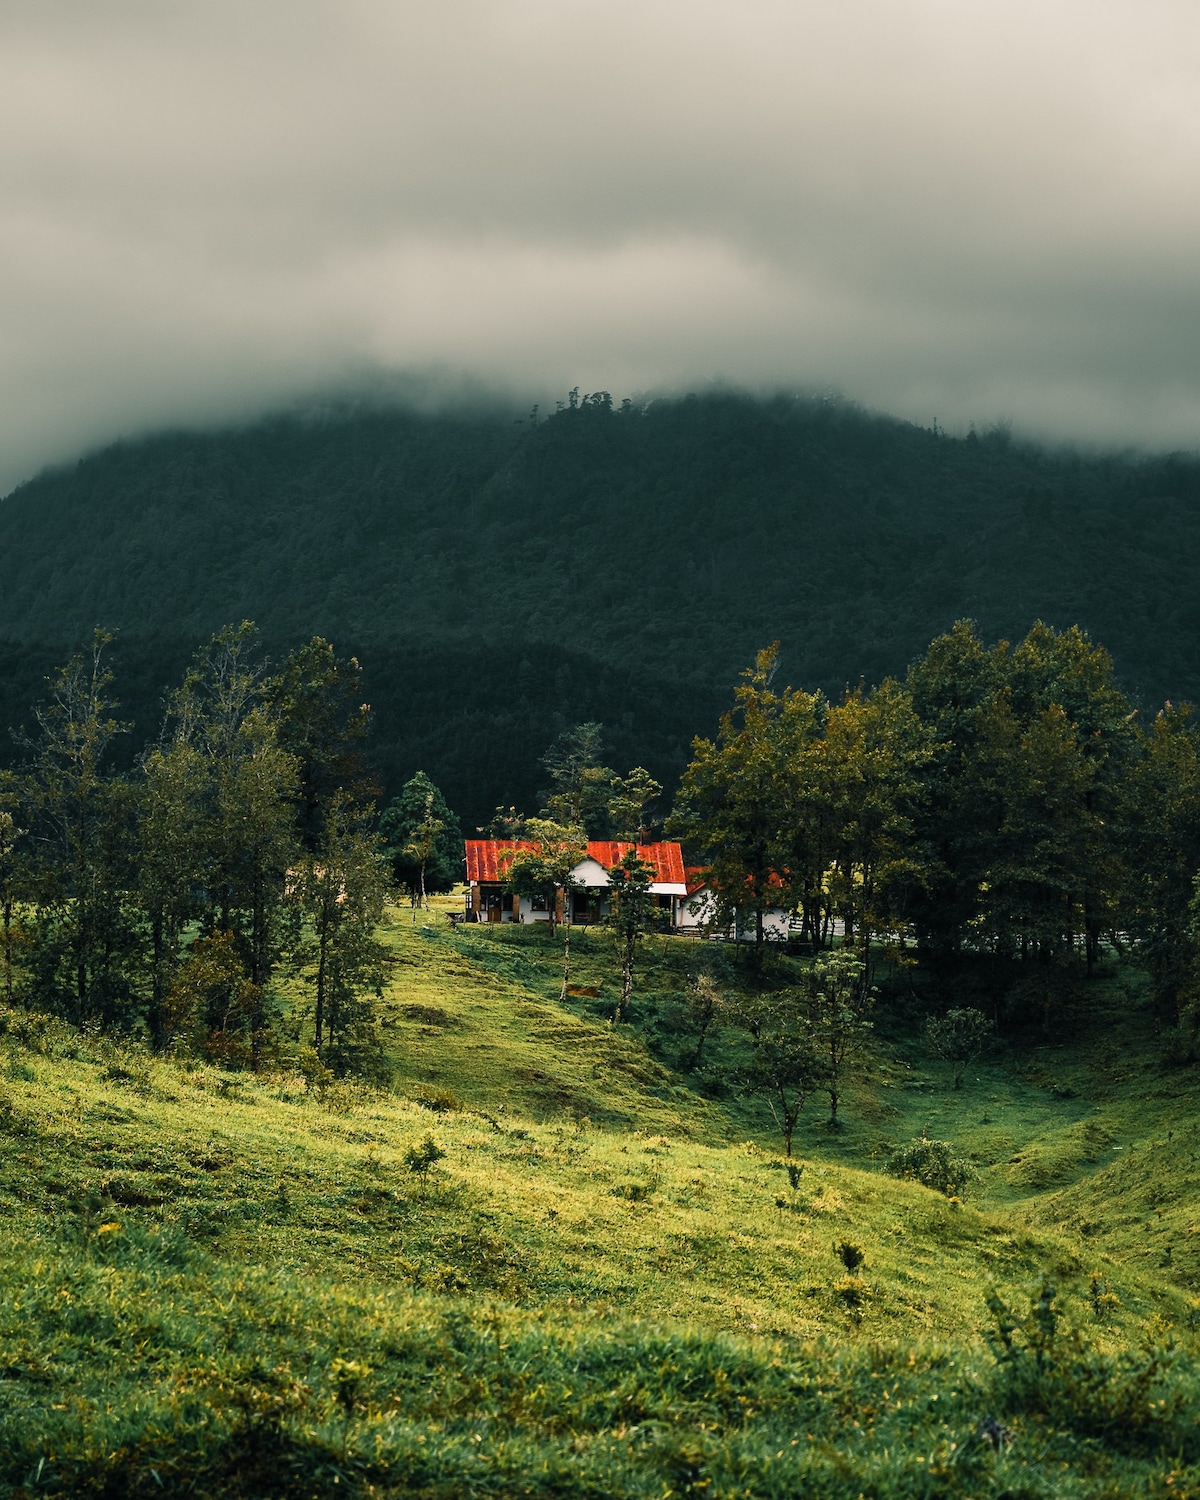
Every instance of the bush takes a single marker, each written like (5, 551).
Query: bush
(935, 1164)
(423, 1157)
(1133, 1402)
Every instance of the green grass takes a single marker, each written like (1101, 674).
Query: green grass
(607, 1285)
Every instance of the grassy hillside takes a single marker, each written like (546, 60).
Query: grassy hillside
(501, 580)
(220, 1284)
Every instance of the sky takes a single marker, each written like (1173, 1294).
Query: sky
(952, 210)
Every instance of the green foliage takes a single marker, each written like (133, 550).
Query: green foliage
(83, 935)
(340, 889)
(213, 1005)
(1132, 1401)
(852, 1256)
(959, 1037)
(422, 838)
(631, 916)
(934, 1164)
(833, 1018)
(784, 1067)
(720, 503)
(421, 1158)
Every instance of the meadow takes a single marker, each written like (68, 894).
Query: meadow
(551, 1260)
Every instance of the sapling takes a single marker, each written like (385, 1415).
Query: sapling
(852, 1256)
(422, 1157)
(349, 1376)
(959, 1038)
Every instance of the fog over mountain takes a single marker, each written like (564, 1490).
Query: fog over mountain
(962, 212)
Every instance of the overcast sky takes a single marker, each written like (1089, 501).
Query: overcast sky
(951, 209)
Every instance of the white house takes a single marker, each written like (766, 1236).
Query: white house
(488, 901)
(698, 912)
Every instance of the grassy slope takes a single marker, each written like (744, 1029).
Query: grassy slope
(190, 1254)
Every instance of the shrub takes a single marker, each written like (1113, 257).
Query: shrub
(1131, 1401)
(422, 1157)
(439, 1101)
(852, 1256)
(935, 1164)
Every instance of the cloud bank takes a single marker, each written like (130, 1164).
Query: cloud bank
(951, 209)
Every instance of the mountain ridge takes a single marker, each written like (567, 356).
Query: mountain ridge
(601, 557)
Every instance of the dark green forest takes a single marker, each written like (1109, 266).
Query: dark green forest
(502, 577)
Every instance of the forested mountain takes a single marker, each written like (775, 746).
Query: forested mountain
(501, 578)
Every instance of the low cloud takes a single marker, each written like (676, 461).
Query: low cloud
(968, 212)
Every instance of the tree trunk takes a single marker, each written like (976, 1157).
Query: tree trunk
(157, 986)
(566, 959)
(626, 978)
(8, 953)
(322, 964)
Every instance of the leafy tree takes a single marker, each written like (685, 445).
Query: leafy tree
(630, 799)
(172, 863)
(321, 720)
(581, 786)
(833, 1017)
(703, 1004)
(213, 1007)
(811, 815)
(1023, 830)
(12, 873)
(248, 832)
(732, 800)
(546, 869)
(876, 749)
(1162, 852)
(959, 1037)
(955, 687)
(631, 917)
(422, 838)
(84, 942)
(341, 888)
(784, 1068)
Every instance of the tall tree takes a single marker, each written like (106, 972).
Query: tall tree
(171, 864)
(631, 916)
(249, 835)
(1022, 832)
(341, 888)
(422, 838)
(834, 1017)
(581, 786)
(732, 801)
(1162, 851)
(321, 720)
(876, 750)
(84, 937)
(12, 875)
(630, 800)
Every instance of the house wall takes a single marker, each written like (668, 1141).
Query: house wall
(696, 910)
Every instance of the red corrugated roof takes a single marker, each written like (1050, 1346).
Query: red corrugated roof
(484, 864)
(697, 879)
